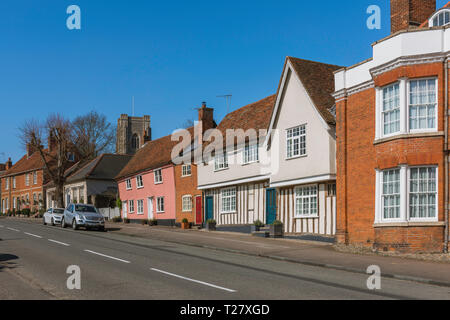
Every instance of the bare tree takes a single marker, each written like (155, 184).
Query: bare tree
(95, 134)
(81, 140)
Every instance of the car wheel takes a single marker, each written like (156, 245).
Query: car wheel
(43, 220)
(53, 222)
(63, 223)
(74, 225)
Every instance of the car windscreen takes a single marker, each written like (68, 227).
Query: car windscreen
(81, 208)
(58, 211)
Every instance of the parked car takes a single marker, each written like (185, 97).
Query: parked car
(83, 215)
(53, 216)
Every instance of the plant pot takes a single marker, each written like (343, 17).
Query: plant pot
(185, 225)
(256, 228)
(276, 231)
(210, 227)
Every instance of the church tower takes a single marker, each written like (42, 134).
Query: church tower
(132, 133)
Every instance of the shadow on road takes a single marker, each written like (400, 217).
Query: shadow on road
(6, 261)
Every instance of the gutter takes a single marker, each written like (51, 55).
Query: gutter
(446, 151)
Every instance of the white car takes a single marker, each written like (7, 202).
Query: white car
(53, 216)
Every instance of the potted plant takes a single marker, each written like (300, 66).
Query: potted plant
(126, 220)
(117, 219)
(185, 224)
(256, 227)
(276, 229)
(152, 222)
(144, 222)
(211, 225)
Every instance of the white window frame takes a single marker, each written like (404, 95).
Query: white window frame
(435, 109)
(301, 152)
(404, 88)
(250, 153)
(436, 204)
(128, 184)
(309, 197)
(221, 162)
(139, 182)
(130, 206)
(158, 177)
(35, 176)
(186, 170)
(140, 207)
(160, 205)
(14, 182)
(187, 203)
(405, 214)
(225, 197)
(382, 112)
(7, 183)
(436, 15)
(27, 180)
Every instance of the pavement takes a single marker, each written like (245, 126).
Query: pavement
(132, 262)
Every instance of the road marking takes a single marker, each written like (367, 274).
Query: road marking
(13, 229)
(33, 235)
(193, 280)
(58, 242)
(104, 255)
(1, 226)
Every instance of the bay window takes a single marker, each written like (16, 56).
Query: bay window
(407, 194)
(408, 106)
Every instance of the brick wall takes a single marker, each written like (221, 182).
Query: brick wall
(186, 186)
(358, 157)
(22, 190)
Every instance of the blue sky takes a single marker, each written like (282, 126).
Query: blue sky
(170, 55)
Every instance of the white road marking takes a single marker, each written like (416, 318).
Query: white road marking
(58, 242)
(13, 229)
(192, 280)
(33, 235)
(104, 255)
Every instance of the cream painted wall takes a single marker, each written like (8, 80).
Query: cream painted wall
(296, 108)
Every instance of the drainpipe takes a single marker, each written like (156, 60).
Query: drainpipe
(446, 233)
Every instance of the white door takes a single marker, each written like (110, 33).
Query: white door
(125, 210)
(150, 208)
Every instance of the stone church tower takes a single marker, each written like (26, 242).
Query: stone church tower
(132, 133)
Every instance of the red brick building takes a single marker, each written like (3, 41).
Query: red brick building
(392, 136)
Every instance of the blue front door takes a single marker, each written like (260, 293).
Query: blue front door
(271, 205)
(209, 208)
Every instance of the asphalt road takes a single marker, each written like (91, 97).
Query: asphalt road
(34, 261)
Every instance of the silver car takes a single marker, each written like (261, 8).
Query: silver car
(53, 216)
(83, 215)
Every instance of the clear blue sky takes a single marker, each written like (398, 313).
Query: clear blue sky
(171, 55)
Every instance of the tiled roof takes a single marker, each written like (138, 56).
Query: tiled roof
(26, 164)
(318, 80)
(154, 154)
(253, 116)
(104, 167)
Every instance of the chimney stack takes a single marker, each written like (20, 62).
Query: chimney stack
(51, 142)
(206, 117)
(30, 150)
(8, 164)
(410, 14)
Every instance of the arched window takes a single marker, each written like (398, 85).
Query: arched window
(135, 142)
(440, 18)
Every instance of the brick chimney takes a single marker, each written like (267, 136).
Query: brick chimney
(206, 117)
(51, 143)
(30, 150)
(8, 164)
(409, 14)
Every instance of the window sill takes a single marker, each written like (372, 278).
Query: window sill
(307, 217)
(297, 157)
(187, 176)
(409, 224)
(140, 187)
(156, 183)
(401, 136)
(232, 212)
(219, 170)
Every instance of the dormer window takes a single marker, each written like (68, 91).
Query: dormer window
(441, 18)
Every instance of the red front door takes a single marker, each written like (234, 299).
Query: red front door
(198, 210)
